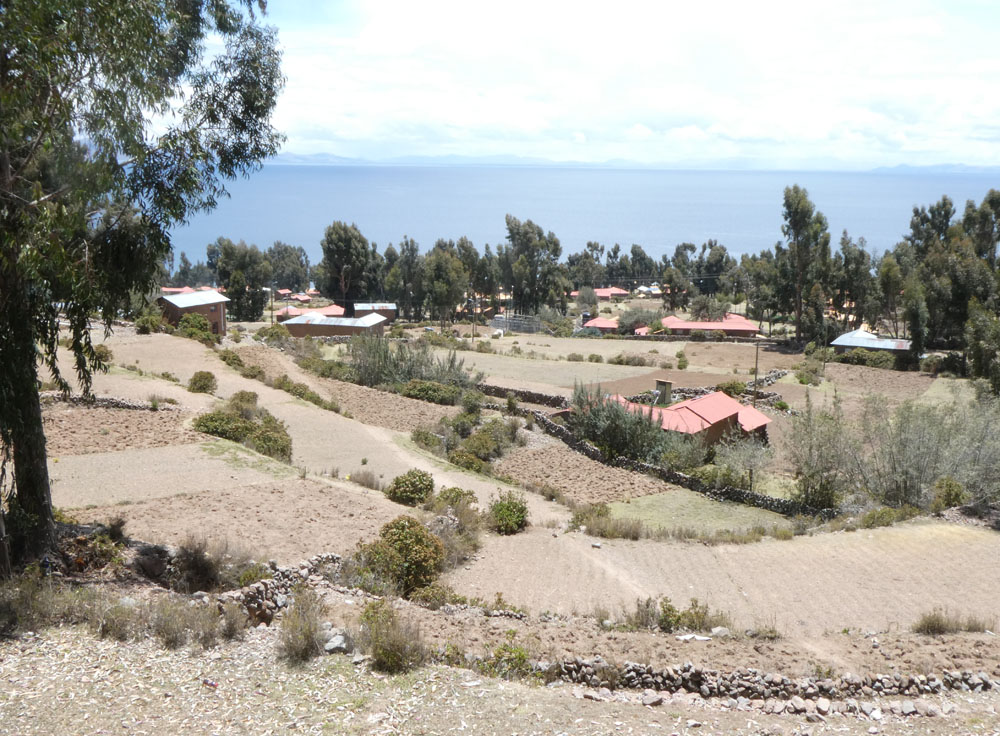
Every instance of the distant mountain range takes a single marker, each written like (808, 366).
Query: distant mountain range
(328, 159)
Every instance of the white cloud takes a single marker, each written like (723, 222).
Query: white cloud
(864, 82)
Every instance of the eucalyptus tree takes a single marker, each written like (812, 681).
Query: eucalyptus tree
(116, 124)
(808, 239)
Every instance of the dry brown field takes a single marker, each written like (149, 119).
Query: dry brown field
(823, 592)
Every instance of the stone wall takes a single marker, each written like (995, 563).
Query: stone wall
(532, 397)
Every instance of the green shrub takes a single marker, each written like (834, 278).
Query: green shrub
(195, 326)
(411, 488)
(253, 372)
(202, 382)
(669, 618)
(427, 439)
(103, 353)
(682, 361)
(225, 425)
(886, 516)
(302, 391)
(149, 322)
(948, 493)
(243, 421)
(575, 357)
(598, 522)
(781, 405)
(939, 622)
(453, 497)
(435, 595)
(870, 358)
(511, 402)
(508, 660)
(465, 459)
(595, 358)
(436, 393)
(231, 358)
(483, 444)
(631, 359)
(300, 636)
(234, 622)
(508, 513)
(698, 336)
(274, 334)
(169, 621)
(464, 423)
(732, 388)
(395, 646)
(472, 402)
(406, 553)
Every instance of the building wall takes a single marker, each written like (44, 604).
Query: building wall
(214, 313)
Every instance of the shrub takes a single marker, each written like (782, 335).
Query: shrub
(483, 444)
(149, 322)
(508, 513)
(243, 421)
(234, 622)
(598, 522)
(669, 617)
(395, 646)
(939, 622)
(169, 621)
(472, 402)
(436, 393)
(781, 405)
(613, 429)
(435, 595)
(411, 488)
(367, 478)
(948, 493)
(682, 361)
(426, 439)
(103, 353)
(698, 336)
(202, 382)
(575, 357)
(302, 391)
(195, 326)
(231, 358)
(698, 617)
(253, 372)
(631, 359)
(274, 334)
(120, 622)
(406, 553)
(465, 459)
(595, 358)
(732, 388)
(300, 637)
(885, 516)
(511, 402)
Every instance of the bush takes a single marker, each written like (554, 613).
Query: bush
(698, 336)
(870, 358)
(669, 618)
(472, 402)
(302, 391)
(732, 388)
(274, 334)
(885, 516)
(631, 359)
(395, 646)
(412, 488)
(434, 596)
(406, 553)
(103, 353)
(427, 439)
(575, 357)
(948, 493)
(939, 622)
(598, 522)
(613, 429)
(595, 358)
(682, 361)
(781, 405)
(300, 637)
(244, 422)
(511, 402)
(195, 326)
(231, 358)
(193, 568)
(465, 459)
(202, 382)
(149, 322)
(508, 514)
(436, 393)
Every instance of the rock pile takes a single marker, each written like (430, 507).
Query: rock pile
(262, 600)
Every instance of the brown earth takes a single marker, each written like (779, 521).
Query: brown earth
(78, 430)
(579, 478)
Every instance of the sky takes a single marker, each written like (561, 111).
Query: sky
(772, 85)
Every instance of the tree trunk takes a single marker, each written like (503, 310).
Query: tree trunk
(35, 525)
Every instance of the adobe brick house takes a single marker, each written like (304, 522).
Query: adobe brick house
(211, 304)
(386, 309)
(313, 324)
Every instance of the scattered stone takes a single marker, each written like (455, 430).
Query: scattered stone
(693, 723)
(337, 645)
(720, 631)
(652, 699)
(796, 704)
(823, 706)
(595, 545)
(909, 708)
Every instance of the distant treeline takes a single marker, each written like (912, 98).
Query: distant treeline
(938, 286)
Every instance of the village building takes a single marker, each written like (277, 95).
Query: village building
(869, 341)
(386, 309)
(603, 324)
(209, 303)
(710, 417)
(313, 324)
(286, 313)
(733, 325)
(605, 294)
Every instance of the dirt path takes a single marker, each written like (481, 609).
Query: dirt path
(873, 579)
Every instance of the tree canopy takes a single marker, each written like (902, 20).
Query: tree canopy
(117, 124)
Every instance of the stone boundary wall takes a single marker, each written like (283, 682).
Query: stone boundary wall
(103, 402)
(754, 684)
(688, 338)
(532, 397)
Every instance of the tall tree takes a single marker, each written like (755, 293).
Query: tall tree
(445, 281)
(808, 239)
(85, 225)
(244, 272)
(534, 264)
(345, 258)
(289, 266)
(405, 280)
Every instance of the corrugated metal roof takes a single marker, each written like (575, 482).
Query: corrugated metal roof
(696, 415)
(195, 299)
(375, 305)
(315, 318)
(729, 322)
(602, 323)
(864, 339)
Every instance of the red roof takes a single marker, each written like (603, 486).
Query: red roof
(696, 415)
(284, 292)
(642, 330)
(176, 290)
(334, 310)
(604, 293)
(603, 323)
(300, 298)
(288, 311)
(731, 322)
(313, 292)
(331, 311)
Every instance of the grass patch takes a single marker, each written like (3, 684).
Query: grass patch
(300, 637)
(940, 622)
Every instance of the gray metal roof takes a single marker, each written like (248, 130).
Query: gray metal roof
(313, 318)
(195, 299)
(864, 339)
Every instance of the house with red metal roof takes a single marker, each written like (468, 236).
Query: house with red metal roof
(605, 294)
(734, 325)
(603, 324)
(333, 310)
(710, 417)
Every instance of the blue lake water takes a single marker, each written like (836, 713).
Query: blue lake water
(656, 209)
